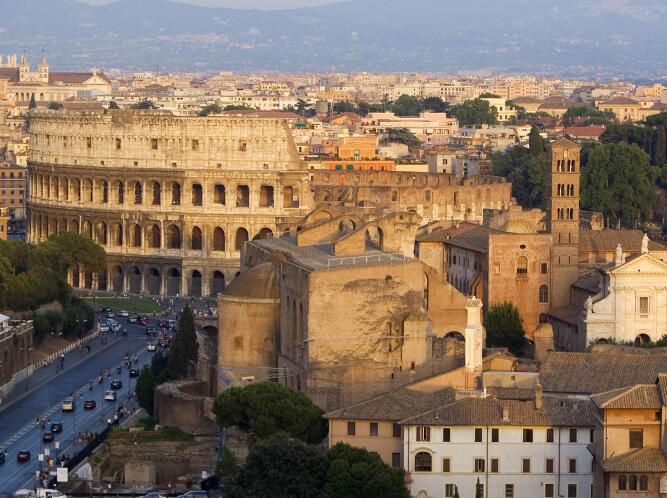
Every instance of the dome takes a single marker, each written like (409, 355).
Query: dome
(259, 282)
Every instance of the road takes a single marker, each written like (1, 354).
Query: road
(19, 429)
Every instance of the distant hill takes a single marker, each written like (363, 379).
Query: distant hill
(604, 38)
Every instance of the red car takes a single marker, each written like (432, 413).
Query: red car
(89, 404)
(142, 320)
(23, 456)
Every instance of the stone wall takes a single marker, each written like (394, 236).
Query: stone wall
(184, 404)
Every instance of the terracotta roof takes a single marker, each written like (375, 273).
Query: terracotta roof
(520, 393)
(641, 460)
(555, 411)
(395, 405)
(619, 101)
(9, 73)
(662, 385)
(607, 240)
(585, 131)
(564, 143)
(590, 373)
(73, 78)
(637, 396)
(589, 282)
(470, 236)
(558, 103)
(525, 100)
(659, 106)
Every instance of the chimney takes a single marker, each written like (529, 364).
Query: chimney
(538, 396)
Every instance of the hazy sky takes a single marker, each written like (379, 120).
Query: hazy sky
(246, 4)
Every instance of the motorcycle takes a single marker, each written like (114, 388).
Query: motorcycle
(100, 379)
(90, 386)
(119, 369)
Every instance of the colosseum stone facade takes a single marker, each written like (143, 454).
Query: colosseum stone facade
(171, 199)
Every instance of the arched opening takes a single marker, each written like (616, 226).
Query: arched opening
(117, 235)
(197, 196)
(88, 279)
(74, 226)
(241, 238)
(426, 291)
(105, 191)
(87, 229)
(102, 280)
(423, 462)
(138, 193)
(374, 238)
(218, 239)
(117, 279)
(120, 192)
(76, 190)
(347, 226)
(87, 190)
(101, 233)
(219, 194)
(195, 284)
(265, 233)
(135, 280)
(173, 282)
(325, 196)
(65, 189)
(134, 235)
(289, 199)
(173, 237)
(642, 339)
(242, 196)
(153, 282)
(455, 335)
(153, 237)
(157, 194)
(217, 283)
(176, 194)
(196, 241)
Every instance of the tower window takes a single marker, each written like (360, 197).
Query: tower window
(522, 265)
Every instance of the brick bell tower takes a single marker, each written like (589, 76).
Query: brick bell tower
(563, 218)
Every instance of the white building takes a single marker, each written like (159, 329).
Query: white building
(507, 443)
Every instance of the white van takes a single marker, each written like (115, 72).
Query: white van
(49, 493)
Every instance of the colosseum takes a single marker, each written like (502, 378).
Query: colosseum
(171, 199)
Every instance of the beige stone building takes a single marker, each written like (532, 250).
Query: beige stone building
(171, 199)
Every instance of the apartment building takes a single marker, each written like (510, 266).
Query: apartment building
(13, 184)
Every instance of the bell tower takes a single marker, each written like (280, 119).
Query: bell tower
(563, 218)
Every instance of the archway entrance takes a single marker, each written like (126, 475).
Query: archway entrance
(153, 281)
(195, 284)
(135, 280)
(173, 282)
(117, 279)
(217, 283)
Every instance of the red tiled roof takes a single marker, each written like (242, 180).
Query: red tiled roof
(585, 131)
(73, 78)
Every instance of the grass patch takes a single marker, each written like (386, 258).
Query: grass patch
(164, 434)
(131, 304)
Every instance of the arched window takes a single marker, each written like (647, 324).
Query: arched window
(176, 194)
(643, 483)
(241, 238)
(521, 265)
(196, 244)
(105, 191)
(423, 462)
(622, 482)
(138, 193)
(117, 234)
(120, 187)
(157, 194)
(544, 294)
(219, 194)
(173, 237)
(134, 234)
(218, 239)
(154, 237)
(197, 198)
(632, 483)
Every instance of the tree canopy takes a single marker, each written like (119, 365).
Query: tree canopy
(406, 105)
(183, 347)
(144, 104)
(210, 109)
(504, 327)
(145, 389)
(401, 135)
(585, 115)
(475, 112)
(113, 105)
(619, 180)
(266, 408)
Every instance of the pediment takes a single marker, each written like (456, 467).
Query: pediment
(644, 263)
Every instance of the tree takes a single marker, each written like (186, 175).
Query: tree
(266, 408)
(402, 136)
(145, 389)
(504, 327)
(434, 104)
(407, 105)
(55, 106)
(660, 146)
(280, 467)
(113, 105)
(304, 109)
(183, 347)
(619, 181)
(356, 473)
(159, 368)
(586, 115)
(346, 106)
(475, 112)
(526, 169)
(33, 103)
(144, 104)
(489, 95)
(210, 109)
(536, 144)
(238, 108)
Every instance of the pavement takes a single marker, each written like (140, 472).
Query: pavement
(19, 429)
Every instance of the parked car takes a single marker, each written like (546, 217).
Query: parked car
(132, 319)
(89, 404)
(110, 396)
(123, 314)
(68, 405)
(142, 320)
(171, 324)
(134, 372)
(116, 384)
(151, 346)
(23, 456)
(111, 314)
(48, 437)
(49, 493)
(104, 328)
(56, 427)
(151, 331)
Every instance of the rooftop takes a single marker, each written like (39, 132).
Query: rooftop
(607, 240)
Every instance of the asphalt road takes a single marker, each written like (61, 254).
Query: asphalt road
(19, 429)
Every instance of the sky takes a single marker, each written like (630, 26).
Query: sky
(245, 4)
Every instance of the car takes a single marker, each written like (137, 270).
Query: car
(151, 346)
(110, 396)
(134, 372)
(23, 456)
(116, 384)
(197, 493)
(151, 331)
(48, 437)
(89, 404)
(132, 319)
(104, 328)
(115, 327)
(56, 427)
(68, 405)
(111, 314)
(171, 324)
(142, 320)
(124, 314)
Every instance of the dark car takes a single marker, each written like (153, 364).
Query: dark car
(134, 372)
(48, 437)
(23, 456)
(142, 320)
(116, 384)
(56, 427)
(89, 404)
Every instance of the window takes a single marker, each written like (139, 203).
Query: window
(450, 489)
(591, 435)
(219, 194)
(374, 429)
(495, 465)
(528, 435)
(446, 435)
(154, 143)
(544, 294)
(197, 195)
(622, 482)
(544, 268)
(238, 342)
(525, 465)
(395, 459)
(89, 142)
(479, 465)
(195, 145)
(549, 466)
(118, 143)
(572, 465)
(548, 490)
(495, 435)
(351, 428)
(632, 483)
(573, 435)
(423, 433)
(522, 265)
(478, 435)
(242, 196)
(446, 465)
(396, 430)
(509, 490)
(176, 194)
(550, 435)
(571, 491)
(636, 438)
(643, 305)
(423, 462)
